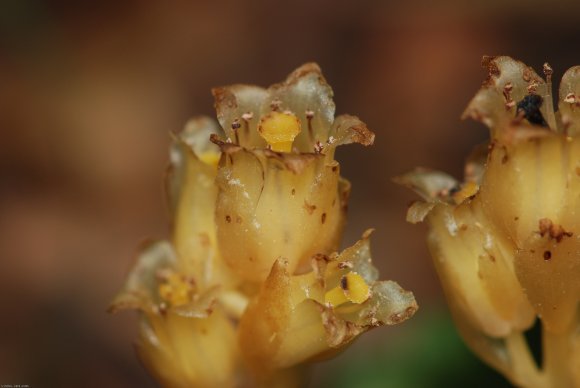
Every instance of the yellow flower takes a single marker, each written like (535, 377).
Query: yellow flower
(295, 318)
(257, 211)
(186, 337)
(506, 241)
(280, 190)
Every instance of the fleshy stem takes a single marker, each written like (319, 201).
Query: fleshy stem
(556, 370)
(557, 353)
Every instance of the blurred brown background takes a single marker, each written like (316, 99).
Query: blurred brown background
(90, 90)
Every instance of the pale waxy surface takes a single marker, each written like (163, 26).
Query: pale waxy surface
(476, 272)
(539, 180)
(265, 210)
(190, 352)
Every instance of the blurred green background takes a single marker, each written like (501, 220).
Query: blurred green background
(90, 90)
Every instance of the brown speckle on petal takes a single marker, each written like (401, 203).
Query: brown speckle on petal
(553, 231)
(548, 71)
(344, 283)
(570, 98)
(309, 208)
(492, 69)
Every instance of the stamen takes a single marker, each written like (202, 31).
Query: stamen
(468, 190)
(209, 157)
(551, 117)
(279, 130)
(352, 288)
(176, 289)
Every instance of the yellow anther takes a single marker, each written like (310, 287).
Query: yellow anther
(279, 130)
(352, 288)
(210, 157)
(176, 289)
(469, 189)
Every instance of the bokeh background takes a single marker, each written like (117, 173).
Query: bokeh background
(89, 92)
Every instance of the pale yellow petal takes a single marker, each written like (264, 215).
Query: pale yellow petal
(238, 110)
(190, 352)
(306, 94)
(274, 205)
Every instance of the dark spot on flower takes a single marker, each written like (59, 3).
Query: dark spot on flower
(529, 107)
(235, 126)
(251, 258)
(334, 168)
(553, 231)
(293, 191)
(323, 218)
(505, 158)
(452, 191)
(228, 219)
(309, 208)
(463, 227)
(547, 255)
(516, 218)
(492, 258)
(344, 283)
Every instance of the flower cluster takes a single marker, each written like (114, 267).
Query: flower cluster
(250, 285)
(506, 241)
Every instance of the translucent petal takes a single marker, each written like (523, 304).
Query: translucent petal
(476, 272)
(190, 352)
(508, 81)
(418, 211)
(475, 164)
(569, 104)
(306, 94)
(273, 205)
(288, 322)
(347, 129)
(429, 184)
(238, 110)
(194, 138)
(195, 194)
(140, 288)
(529, 182)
